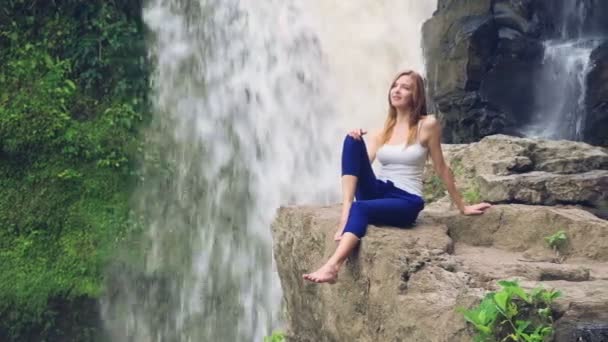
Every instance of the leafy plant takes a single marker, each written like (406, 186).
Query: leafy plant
(483, 317)
(540, 295)
(471, 194)
(556, 242)
(433, 189)
(73, 86)
(512, 314)
(277, 336)
(457, 168)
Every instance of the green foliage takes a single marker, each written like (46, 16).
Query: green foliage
(484, 316)
(433, 189)
(277, 336)
(540, 295)
(73, 82)
(35, 100)
(512, 314)
(457, 168)
(471, 195)
(102, 39)
(557, 240)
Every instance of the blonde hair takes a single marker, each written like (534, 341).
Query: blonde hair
(418, 108)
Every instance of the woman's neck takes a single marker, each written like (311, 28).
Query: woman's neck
(403, 116)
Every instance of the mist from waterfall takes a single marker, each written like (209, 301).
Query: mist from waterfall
(251, 100)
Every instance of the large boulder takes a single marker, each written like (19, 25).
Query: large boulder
(545, 188)
(405, 285)
(522, 228)
(505, 169)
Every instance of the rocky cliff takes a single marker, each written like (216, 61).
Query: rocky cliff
(490, 70)
(405, 285)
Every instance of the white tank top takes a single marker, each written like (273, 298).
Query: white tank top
(403, 165)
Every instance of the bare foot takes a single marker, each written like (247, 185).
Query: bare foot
(326, 274)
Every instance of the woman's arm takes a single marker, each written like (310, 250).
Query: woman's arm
(373, 143)
(432, 126)
(372, 146)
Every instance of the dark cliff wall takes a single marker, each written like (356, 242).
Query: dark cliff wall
(484, 59)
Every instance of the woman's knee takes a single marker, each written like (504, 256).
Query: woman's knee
(348, 140)
(352, 148)
(351, 156)
(358, 208)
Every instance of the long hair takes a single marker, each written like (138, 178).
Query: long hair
(418, 103)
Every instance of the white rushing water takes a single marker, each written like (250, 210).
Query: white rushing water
(562, 82)
(562, 85)
(251, 100)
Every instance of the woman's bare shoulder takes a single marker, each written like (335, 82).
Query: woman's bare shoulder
(429, 120)
(431, 123)
(431, 128)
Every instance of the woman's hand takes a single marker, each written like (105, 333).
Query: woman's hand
(357, 133)
(476, 209)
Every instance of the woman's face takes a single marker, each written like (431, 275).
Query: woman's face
(402, 91)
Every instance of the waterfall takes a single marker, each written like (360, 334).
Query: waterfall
(251, 100)
(560, 100)
(561, 84)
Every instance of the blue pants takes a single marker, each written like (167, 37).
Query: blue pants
(377, 202)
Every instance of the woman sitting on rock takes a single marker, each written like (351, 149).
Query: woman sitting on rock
(394, 198)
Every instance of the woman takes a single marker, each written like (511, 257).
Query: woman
(394, 198)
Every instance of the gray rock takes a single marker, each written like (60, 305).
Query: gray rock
(546, 188)
(396, 288)
(504, 169)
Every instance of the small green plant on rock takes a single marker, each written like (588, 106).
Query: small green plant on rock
(457, 168)
(556, 242)
(277, 336)
(471, 194)
(513, 314)
(433, 189)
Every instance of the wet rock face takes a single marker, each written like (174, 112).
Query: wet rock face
(585, 327)
(597, 96)
(551, 13)
(586, 332)
(483, 60)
